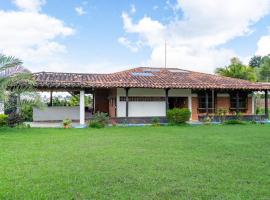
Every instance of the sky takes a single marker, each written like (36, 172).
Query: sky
(101, 36)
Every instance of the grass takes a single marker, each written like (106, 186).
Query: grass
(204, 162)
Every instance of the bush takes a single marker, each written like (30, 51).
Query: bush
(3, 120)
(14, 119)
(155, 121)
(27, 113)
(178, 116)
(67, 123)
(221, 113)
(233, 122)
(100, 120)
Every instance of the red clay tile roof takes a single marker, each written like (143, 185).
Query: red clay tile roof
(144, 77)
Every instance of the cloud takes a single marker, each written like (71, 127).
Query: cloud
(134, 47)
(133, 9)
(29, 5)
(80, 11)
(263, 46)
(32, 36)
(194, 40)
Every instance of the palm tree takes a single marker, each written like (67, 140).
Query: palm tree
(14, 79)
(237, 70)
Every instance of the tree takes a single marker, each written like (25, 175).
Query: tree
(255, 61)
(16, 82)
(265, 69)
(237, 70)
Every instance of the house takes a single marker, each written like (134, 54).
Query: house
(137, 95)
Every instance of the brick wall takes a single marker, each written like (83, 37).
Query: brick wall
(223, 102)
(194, 108)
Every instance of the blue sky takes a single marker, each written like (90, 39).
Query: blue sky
(105, 36)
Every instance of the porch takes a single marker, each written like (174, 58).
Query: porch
(140, 105)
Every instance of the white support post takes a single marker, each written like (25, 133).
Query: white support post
(190, 105)
(82, 109)
(2, 107)
(253, 104)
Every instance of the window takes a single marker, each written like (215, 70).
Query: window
(143, 98)
(242, 101)
(202, 102)
(142, 74)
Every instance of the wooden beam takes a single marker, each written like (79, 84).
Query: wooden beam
(206, 103)
(127, 89)
(266, 103)
(167, 99)
(213, 101)
(237, 101)
(51, 98)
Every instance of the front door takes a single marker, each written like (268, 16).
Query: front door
(178, 102)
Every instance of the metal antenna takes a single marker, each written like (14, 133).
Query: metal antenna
(165, 54)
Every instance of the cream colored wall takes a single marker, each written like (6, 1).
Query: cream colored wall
(147, 109)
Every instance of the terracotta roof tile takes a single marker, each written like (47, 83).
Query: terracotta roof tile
(141, 78)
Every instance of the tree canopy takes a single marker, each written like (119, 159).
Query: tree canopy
(237, 69)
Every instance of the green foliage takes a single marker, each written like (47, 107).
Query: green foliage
(265, 69)
(207, 120)
(3, 120)
(70, 101)
(67, 123)
(221, 113)
(14, 119)
(27, 112)
(178, 116)
(233, 122)
(100, 120)
(237, 70)
(155, 121)
(255, 61)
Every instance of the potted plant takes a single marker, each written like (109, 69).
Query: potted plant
(67, 123)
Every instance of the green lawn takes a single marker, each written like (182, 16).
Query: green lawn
(204, 162)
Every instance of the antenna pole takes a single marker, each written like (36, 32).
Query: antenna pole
(165, 54)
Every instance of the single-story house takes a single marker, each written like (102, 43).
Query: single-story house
(137, 95)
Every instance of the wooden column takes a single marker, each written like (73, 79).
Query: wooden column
(266, 103)
(237, 102)
(127, 89)
(213, 101)
(94, 101)
(167, 99)
(206, 103)
(51, 103)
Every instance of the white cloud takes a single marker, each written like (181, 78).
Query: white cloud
(133, 9)
(263, 46)
(80, 11)
(29, 5)
(134, 47)
(32, 36)
(194, 40)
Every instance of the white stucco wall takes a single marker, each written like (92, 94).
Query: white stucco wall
(56, 113)
(147, 109)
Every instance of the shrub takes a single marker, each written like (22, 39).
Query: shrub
(67, 123)
(14, 119)
(233, 122)
(155, 121)
(221, 113)
(178, 116)
(27, 113)
(3, 120)
(100, 120)
(207, 120)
